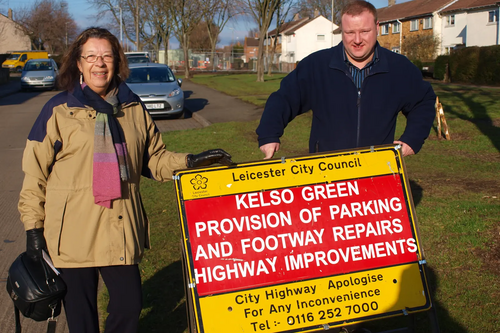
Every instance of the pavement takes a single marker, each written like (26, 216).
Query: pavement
(10, 88)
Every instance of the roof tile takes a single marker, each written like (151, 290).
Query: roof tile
(410, 9)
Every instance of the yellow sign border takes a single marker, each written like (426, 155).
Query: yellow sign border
(186, 189)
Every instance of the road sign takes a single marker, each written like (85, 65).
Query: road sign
(301, 244)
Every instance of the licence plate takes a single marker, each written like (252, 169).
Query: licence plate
(155, 106)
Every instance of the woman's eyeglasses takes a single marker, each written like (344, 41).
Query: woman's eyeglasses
(93, 58)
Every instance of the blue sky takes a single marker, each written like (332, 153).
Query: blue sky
(84, 15)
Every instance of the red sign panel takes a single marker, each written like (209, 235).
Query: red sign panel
(276, 236)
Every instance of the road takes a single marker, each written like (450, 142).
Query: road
(18, 112)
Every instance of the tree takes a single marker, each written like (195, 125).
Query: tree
(218, 13)
(420, 47)
(281, 13)
(49, 25)
(253, 33)
(200, 39)
(186, 15)
(159, 25)
(324, 7)
(133, 20)
(262, 12)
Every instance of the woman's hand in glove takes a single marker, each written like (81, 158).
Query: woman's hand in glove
(35, 243)
(208, 157)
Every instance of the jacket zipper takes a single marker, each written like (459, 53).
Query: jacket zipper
(358, 103)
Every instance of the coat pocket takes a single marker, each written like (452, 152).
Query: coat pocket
(55, 211)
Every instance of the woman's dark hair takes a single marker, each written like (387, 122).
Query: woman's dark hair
(69, 72)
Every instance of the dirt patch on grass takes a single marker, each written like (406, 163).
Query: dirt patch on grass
(434, 182)
(453, 136)
(491, 255)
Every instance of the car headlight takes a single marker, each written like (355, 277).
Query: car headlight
(49, 77)
(174, 92)
(25, 79)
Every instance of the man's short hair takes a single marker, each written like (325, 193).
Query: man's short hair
(356, 7)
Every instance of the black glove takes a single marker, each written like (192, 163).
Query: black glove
(209, 157)
(35, 243)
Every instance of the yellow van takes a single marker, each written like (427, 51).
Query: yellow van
(17, 59)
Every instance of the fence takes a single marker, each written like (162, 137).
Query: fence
(202, 60)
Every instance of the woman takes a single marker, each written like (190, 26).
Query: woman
(80, 198)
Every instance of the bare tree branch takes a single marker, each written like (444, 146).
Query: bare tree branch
(186, 14)
(219, 12)
(49, 25)
(262, 12)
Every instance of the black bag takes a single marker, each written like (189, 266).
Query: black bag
(37, 291)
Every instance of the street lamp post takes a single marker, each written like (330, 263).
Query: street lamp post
(333, 14)
(232, 44)
(121, 24)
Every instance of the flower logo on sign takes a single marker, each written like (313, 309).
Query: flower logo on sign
(199, 182)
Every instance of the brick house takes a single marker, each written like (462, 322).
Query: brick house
(412, 18)
(250, 48)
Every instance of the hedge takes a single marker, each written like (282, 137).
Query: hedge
(475, 65)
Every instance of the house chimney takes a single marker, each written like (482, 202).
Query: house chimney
(392, 3)
(296, 17)
(316, 12)
(10, 14)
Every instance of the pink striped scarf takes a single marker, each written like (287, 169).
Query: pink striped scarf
(110, 166)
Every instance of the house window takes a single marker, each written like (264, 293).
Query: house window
(396, 50)
(450, 20)
(288, 39)
(492, 16)
(279, 39)
(385, 29)
(428, 23)
(320, 38)
(414, 25)
(396, 28)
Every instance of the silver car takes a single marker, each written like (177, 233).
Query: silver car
(39, 73)
(158, 88)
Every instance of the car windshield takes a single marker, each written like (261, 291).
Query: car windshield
(150, 75)
(137, 60)
(38, 66)
(13, 57)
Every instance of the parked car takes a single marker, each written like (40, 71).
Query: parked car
(138, 57)
(140, 53)
(39, 73)
(158, 88)
(138, 60)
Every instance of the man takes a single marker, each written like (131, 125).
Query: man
(355, 90)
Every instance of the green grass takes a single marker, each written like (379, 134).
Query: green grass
(455, 186)
(242, 86)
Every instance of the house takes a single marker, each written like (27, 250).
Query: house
(301, 37)
(12, 37)
(250, 48)
(470, 23)
(413, 18)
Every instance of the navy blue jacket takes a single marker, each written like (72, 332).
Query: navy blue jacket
(344, 118)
